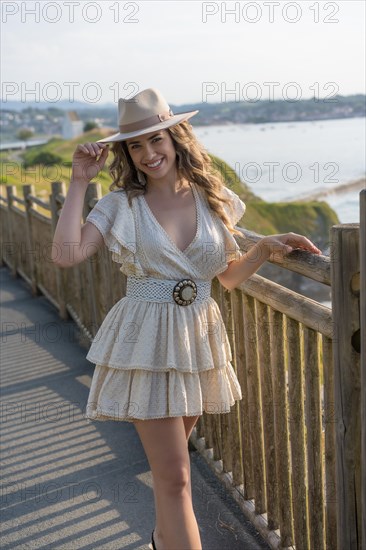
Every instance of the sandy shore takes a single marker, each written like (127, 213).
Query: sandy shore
(316, 194)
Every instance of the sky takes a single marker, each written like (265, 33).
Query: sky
(191, 51)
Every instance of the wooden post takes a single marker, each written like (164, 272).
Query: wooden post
(255, 412)
(314, 439)
(58, 187)
(227, 426)
(267, 399)
(345, 272)
(329, 445)
(13, 256)
(242, 373)
(27, 191)
(237, 361)
(280, 414)
(363, 353)
(297, 434)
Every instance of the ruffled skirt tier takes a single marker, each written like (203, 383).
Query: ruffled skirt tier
(140, 394)
(156, 360)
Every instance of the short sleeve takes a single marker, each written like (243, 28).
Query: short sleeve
(237, 207)
(114, 218)
(221, 239)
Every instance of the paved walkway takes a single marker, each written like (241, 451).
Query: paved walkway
(68, 484)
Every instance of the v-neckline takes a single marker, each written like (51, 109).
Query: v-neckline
(158, 224)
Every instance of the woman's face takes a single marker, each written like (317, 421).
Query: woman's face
(154, 154)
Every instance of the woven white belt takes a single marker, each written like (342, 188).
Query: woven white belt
(183, 292)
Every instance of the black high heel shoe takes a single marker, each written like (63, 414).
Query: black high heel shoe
(152, 540)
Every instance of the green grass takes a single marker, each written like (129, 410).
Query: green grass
(306, 218)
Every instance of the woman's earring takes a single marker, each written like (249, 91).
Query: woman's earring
(141, 177)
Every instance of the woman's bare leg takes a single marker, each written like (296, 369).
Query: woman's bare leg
(189, 423)
(165, 444)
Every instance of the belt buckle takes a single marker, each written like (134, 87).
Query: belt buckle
(185, 292)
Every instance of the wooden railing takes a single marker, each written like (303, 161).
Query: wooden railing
(290, 451)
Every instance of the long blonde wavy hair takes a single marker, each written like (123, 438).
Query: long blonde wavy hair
(193, 163)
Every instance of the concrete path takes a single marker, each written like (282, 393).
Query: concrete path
(68, 484)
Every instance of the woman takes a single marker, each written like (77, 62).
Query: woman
(162, 354)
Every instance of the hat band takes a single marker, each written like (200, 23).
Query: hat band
(146, 122)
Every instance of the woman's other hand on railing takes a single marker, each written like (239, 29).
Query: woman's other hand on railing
(278, 246)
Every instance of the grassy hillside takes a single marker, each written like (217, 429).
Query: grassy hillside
(40, 175)
(313, 219)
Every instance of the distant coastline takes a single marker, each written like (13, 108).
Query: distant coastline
(44, 120)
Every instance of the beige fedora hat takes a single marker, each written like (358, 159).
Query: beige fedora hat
(145, 112)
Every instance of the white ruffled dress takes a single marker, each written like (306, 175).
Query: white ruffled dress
(160, 359)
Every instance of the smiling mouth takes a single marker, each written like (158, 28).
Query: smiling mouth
(155, 165)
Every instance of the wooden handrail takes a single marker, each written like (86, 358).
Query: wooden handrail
(305, 263)
(40, 202)
(18, 200)
(300, 308)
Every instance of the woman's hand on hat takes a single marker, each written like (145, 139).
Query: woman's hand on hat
(88, 160)
(278, 246)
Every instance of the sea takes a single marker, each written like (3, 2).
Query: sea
(285, 161)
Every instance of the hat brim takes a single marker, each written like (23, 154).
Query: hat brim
(176, 119)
